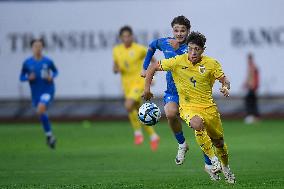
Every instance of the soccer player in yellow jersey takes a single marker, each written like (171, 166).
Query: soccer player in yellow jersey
(194, 76)
(128, 59)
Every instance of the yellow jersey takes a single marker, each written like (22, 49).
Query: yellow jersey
(194, 82)
(130, 62)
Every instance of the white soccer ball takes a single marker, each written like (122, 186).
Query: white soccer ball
(149, 113)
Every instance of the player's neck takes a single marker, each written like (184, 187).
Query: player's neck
(38, 56)
(128, 45)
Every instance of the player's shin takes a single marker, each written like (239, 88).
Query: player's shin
(204, 142)
(222, 154)
(135, 123)
(46, 124)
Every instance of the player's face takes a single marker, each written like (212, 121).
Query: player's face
(180, 33)
(37, 48)
(126, 38)
(194, 53)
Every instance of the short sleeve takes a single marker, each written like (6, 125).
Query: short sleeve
(154, 45)
(114, 55)
(217, 71)
(168, 64)
(144, 51)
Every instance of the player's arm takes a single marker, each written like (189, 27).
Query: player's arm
(147, 95)
(25, 75)
(149, 57)
(219, 75)
(162, 65)
(226, 86)
(54, 72)
(115, 68)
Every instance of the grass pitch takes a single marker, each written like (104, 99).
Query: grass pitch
(102, 155)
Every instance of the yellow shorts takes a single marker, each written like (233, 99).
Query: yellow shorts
(134, 93)
(211, 119)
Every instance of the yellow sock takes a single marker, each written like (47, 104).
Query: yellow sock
(133, 117)
(149, 130)
(222, 154)
(205, 143)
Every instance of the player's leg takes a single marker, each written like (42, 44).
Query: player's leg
(45, 99)
(204, 141)
(215, 132)
(172, 113)
(130, 106)
(222, 153)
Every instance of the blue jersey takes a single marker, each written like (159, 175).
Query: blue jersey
(163, 45)
(42, 69)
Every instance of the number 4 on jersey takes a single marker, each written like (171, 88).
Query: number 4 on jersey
(192, 80)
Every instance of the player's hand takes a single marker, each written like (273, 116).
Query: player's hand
(225, 91)
(147, 95)
(174, 43)
(32, 76)
(143, 73)
(49, 79)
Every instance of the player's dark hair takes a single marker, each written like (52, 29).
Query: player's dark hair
(181, 20)
(196, 38)
(125, 28)
(37, 40)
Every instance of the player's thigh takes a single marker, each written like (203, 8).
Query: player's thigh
(187, 114)
(44, 101)
(168, 97)
(171, 105)
(213, 123)
(133, 98)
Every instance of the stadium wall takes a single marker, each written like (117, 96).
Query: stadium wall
(80, 36)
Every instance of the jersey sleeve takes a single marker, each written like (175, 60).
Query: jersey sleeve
(168, 64)
(24, 73)
(150, 53)
(53, 69)
(217, 71)
(114, 55)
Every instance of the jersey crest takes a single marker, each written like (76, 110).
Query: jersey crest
(202, 69)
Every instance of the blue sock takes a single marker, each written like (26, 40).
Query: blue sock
(207, 160)
(45, 124)
(180, 138)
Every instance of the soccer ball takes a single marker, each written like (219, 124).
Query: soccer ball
(149, 113)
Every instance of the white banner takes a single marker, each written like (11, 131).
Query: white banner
(80, 37)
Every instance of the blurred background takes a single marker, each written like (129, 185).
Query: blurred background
(80, 35)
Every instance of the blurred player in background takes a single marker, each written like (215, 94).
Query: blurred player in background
(172, 46)
(251, 85)
(194, 76)
(40, 72)
(128, 59)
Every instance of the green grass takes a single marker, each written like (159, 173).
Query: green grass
(102, 155)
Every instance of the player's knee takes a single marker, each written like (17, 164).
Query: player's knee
(218, 143)
(41, 109)
(196, 123)
(129, 106)
(171, 112)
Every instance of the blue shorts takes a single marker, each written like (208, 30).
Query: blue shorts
(45, 99)
(171, 98)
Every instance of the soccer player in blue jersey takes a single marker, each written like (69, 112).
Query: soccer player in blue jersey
(40, 72)
(172, 46)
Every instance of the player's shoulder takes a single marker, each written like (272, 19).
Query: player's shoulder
(162, 40)
(138, 46)
(117, 47)
(182, 57)
(47, 59)
(210, 60)
(28, 60)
